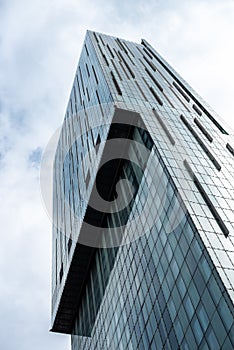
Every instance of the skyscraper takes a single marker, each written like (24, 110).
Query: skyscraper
(143, 198)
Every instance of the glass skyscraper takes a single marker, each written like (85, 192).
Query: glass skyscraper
(143, 198)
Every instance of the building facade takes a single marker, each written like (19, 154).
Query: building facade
(143, 198)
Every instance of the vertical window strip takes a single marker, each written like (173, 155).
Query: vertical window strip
(203, 130)
(178, 98)
(100, 105)
(201, 143)
(110, 51)
(147, 52)
(150, 63)
(95, 36)
(114, 65)
(139, 49)
(128, 48)
(105, 59)
(181, 91)
(87, 69)
(164, 127)
(156, 96)
(197, 110)
(87, 52)
(124, 70)
(88, 97)
(78, 87)
(116, 84)
(127, 65)
(95, 74)
(101, 39)
(154, 80)
(141, 91)
(207, 199)
(142, 63)
(120, 45)
(230, 148)
(82, 83)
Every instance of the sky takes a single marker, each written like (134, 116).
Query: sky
(40, 43)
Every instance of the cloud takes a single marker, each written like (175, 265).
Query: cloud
(40, 42)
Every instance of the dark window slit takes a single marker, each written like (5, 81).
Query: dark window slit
(98, 143)
(82, 83)
(146, 51)
(142, 63)
(127, 65)
(204, 110)
(139, 50)
(111, 53)
(87, 179)
(120, 62)
(95, 36)
(88, 94)
(154, 80)
(203, 130)
(100, 105)
(201, 143)
(87, 52)
(230, 148)
(105, 59)
(116, 84)
(141, 90)
(207, 199)
(78, 87)
(164, 127)
(121, 45)
(128, 48)
(177, 96)
(74, 92)
(114, 65)
(181, 91)
(69, 244)
(197, 110)
(95, 74)
(100, 37)
(156, 96)
(61, 273)
(150, 63)
(87, 69)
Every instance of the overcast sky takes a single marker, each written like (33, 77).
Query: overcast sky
(40, 42)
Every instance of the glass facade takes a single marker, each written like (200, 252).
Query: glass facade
(150, 265)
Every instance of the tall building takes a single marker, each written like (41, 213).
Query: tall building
(143, 198)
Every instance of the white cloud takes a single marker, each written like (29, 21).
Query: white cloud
(39, 47)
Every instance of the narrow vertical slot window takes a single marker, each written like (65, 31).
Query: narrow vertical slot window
(127, 65)
(87, 69)
(82, 83)
(114, 65)
(99, 102)
(116, 84)
(95, 74)
(140, 89)
(203, 130)
(111, 53)
(87, 52)
(181, 91)
(230, 148)
(197, 110)
(157, 98)
(150, 63)
(100, 37)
